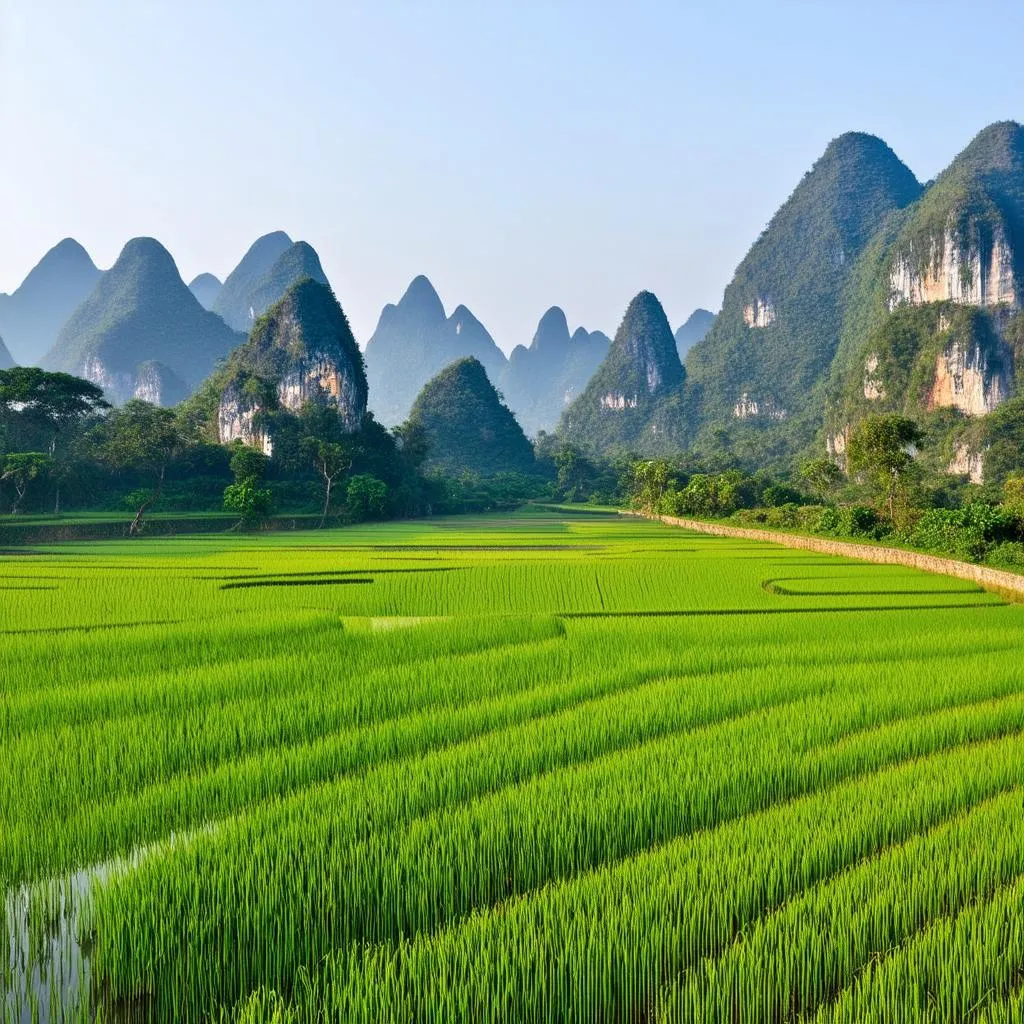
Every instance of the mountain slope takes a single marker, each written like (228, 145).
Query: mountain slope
(634, 401)
(205, 288)
(413, 341)
(934, 328)
(466, 425)
(33, 315)
(540, 381)
(697, 325)
(301, 350)
(141, 332)
(6, 362)
(772, 344)
(234, 298)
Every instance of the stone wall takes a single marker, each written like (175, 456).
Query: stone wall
(995, 579)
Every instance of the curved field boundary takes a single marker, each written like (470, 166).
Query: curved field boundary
(992, 579)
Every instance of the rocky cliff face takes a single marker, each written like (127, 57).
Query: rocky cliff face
(748, 408)
(302, 350)
(760, 313)
(950, 272)
(966, 379)
(151, 381)
(966, 461)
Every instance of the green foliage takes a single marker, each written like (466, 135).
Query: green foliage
(247, 464)
(802, 264)
(251, 503)
(882, 447)
(366, 498)
(822, 475)
(465, 426)
(634, 401)
(19, 470)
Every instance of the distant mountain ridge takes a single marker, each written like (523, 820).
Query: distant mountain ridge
(540, 381)
(32, 316)
(413, 341)
(6, 362)
(141, 332)
(695, 329)
(272, 264)
(205, 288)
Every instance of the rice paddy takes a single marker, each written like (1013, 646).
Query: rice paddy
(548, 767)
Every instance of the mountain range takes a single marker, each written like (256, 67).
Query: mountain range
(270, 266)
(141, 332)
(539, 381)
(413, 341)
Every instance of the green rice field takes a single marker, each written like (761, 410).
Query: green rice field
(545, 768)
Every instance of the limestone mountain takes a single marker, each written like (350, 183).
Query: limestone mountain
(413, 341)
(539, 381)
(466, 425)
(697, 325)
(6, 362)
(32, 316)
(271, 266)
(935, 329)
(300, 350)
(141, 333)
(771, 346)
(205, 288)
(634, 401)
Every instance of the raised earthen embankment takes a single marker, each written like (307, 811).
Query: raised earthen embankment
(992, 579)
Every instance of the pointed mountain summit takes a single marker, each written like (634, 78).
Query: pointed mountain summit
(141, 332)
(233, 300)
(774, 340)
(300, 351)
(697, 325)
(296, 263)
(540, 381)
(935, 326)
(466, 425)
(32, 316)
(633, 401)
(414, 340)
(205, 288)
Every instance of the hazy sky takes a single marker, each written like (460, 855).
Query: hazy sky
(521, 154)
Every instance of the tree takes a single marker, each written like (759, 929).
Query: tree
(573, 472)
(650, 481)
(49, 405)
(884, 447)
(367, 497)
(821, 475)
(252, 503)
(144, 438)
(1013, 491)
(20, 469)
(331, 459)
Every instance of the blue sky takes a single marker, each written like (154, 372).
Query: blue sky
(521, 154)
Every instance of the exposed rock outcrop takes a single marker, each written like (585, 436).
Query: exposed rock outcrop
(748, 408)
(301, 351)
(874, 387)
(965, 380)
(972, 276)
(967, 462)
(759, 313)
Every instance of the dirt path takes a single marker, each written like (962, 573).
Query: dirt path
(1008, 583)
